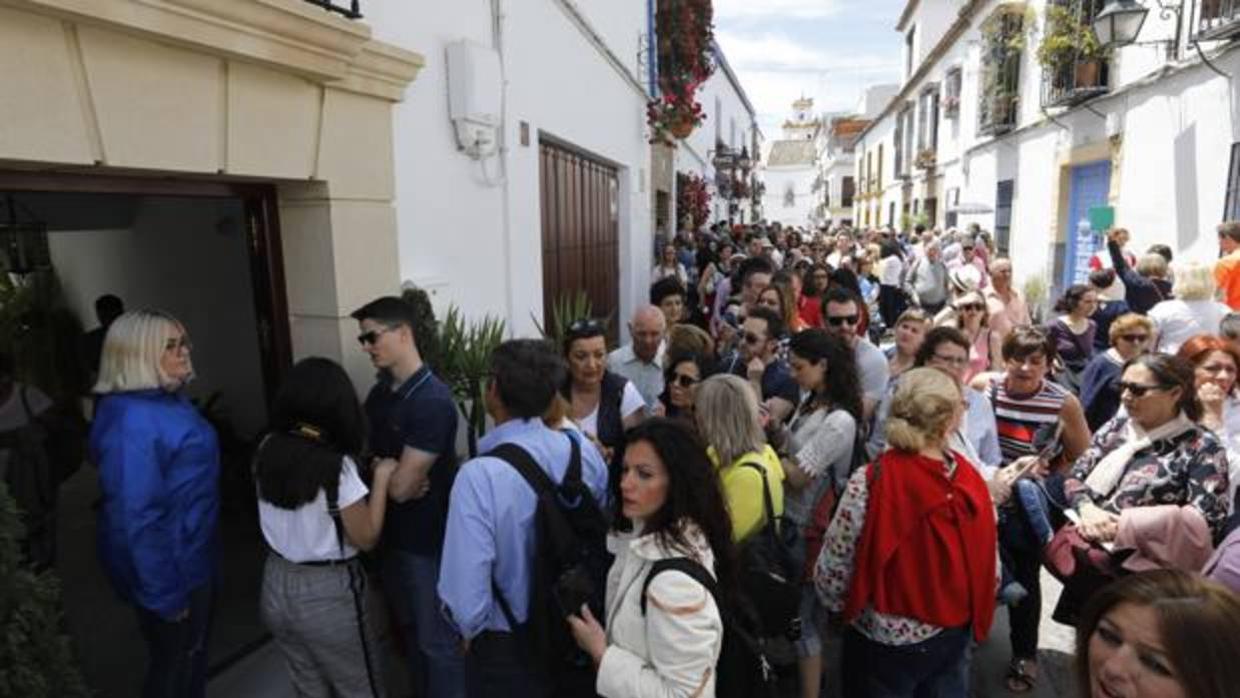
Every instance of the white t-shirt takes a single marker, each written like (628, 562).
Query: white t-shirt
(872, 370)
(630, 402)
(307, 533)
(890, 269)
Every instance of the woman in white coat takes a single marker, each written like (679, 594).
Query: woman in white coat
(669, 495)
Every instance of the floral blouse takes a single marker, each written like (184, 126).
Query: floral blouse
(834, 571)
(1189, 469)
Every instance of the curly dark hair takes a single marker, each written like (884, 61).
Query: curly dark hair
(934, 338)
(694, 493)
(841, 386)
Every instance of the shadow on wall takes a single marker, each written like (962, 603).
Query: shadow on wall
(189, 257)
(1187, 197)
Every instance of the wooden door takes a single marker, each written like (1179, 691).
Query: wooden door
(580, 229)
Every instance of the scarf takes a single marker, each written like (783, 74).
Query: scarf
(1107, 473)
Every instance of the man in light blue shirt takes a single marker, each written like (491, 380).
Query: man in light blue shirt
(489, 542)
(641, 361)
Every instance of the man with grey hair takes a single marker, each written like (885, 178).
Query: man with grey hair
(641, 360)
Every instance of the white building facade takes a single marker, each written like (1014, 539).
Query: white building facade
(1044, 149)
(791, 169)
(493, 232)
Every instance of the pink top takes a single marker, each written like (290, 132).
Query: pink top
(979, 355)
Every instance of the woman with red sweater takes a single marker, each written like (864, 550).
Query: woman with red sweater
(910, 558)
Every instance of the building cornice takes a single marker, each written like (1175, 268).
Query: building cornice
(722, 62)
(958, 27)
(289, 35)
(906, 14)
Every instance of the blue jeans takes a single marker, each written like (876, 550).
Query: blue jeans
(178, 649)
(934, 668)
(436, 666)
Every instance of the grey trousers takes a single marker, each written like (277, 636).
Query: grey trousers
(320, 621)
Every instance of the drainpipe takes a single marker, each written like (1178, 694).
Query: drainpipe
(497, 43)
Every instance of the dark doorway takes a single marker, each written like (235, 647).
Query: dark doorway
(580, 229)
(209, 253)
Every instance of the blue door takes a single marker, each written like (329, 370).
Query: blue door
(1090, 187)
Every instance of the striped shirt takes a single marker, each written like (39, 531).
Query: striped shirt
(1026, 424)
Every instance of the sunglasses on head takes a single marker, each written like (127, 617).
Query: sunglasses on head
(684, 380)
(1137, 389)
(837, 320)
(585, 327)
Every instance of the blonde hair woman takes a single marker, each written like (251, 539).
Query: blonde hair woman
(914, 576)
(726, 412)
(159, 472)
(1193, 311)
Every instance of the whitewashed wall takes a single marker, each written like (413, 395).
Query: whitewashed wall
(479, 245)
(778, 179)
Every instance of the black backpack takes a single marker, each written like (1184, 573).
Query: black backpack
(770, 573)
(742, 670)
(570, 569)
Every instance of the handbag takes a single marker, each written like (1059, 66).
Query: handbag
(1069, 555)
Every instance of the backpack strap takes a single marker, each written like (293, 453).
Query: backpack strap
(767, 503)
(332, 491)
(688, 566)
(538, 480)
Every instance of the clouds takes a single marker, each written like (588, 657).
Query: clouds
(786, 9)
(808, 51)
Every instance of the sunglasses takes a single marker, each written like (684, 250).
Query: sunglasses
(684, 380)
(837, 320)
(372, 336)
(1134, 338)
(751, 338)
(585, 327)
(1137, 389)
(976, 307)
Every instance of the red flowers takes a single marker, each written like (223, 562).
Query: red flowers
(692, 199)
(685, 61)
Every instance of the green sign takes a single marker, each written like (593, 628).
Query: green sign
(1101, 218)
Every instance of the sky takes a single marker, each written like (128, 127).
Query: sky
(825, 49)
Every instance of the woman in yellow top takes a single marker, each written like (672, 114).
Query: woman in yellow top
(726, 412)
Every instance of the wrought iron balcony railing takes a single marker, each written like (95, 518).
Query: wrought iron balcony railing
(351, 10)
(1218, 19)
(1074, 82)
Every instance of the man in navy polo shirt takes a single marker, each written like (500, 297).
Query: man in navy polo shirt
(413, 421)
(759, 361)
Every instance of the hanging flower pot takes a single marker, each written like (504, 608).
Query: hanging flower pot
(682, 127)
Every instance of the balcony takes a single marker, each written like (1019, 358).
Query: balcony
(998, 107)
(350, 10)
(1073, 83)
(1074, 65)
(1219, 20)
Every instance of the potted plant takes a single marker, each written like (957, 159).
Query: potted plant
(1070, 50)
(925, 159)
(685, 58)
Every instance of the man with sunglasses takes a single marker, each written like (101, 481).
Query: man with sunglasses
(758, 360)
(413, 421)
(842, 313)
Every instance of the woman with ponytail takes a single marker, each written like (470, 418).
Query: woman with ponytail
(909, 559)
(315, 516)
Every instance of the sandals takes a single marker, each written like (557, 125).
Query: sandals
(1022, 675)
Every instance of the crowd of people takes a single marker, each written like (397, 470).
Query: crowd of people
(861, 438)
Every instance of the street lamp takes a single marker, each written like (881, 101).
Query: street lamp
(1120, 22)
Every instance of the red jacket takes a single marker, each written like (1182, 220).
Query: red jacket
(927, 548)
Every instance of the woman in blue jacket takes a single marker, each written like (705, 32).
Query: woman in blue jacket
(159, 471)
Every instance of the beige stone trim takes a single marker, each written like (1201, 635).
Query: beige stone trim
(290, 35)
